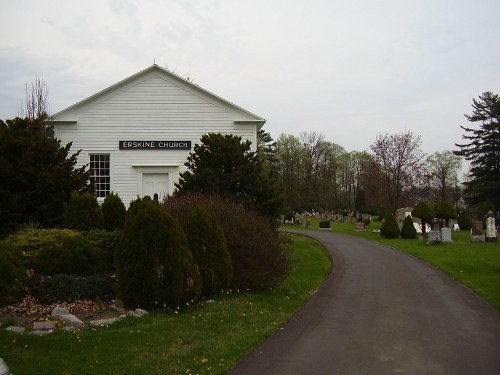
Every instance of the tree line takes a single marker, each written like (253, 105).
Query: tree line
(316, 174)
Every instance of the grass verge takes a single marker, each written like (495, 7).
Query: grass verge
(475, 265)
(201, 339)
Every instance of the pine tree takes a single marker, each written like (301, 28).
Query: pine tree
(483, 151)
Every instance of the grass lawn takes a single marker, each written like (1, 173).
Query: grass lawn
(202, 339)
(476, 265)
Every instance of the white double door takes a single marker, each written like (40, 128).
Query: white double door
(155, 183)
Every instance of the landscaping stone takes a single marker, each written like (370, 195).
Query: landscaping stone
(106, 322)
(38, 326)
(71, 320)
(140, 312)
(15, 329)
(58, 310)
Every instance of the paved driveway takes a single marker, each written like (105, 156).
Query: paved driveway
(382, 312)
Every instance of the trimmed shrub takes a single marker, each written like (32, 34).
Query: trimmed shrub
(53, 251)
(465, 221)
(425, 212)
(446, 211)
(408, 231)
(82, 212)
(71, 288)
(13, 275)
(74, 255)
(209, 248)
(107, 241)
(289, 217)
(154, 266)
(389, 228)
(260, 260)
(113, 212)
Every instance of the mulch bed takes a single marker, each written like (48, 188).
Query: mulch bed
(28, 310)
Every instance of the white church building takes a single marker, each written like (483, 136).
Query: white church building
(135, 135)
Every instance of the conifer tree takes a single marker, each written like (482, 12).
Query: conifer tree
(483, 151)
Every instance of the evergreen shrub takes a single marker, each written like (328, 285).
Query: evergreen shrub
(408, 231)
(260, 258)
(54, 251)
(13, 274)
(154, 266)
(73, 255)
(71, 288)
(107, 241)
(209, 248)
(389, 228)
(465, 220)
(82, 212)
(113, 212)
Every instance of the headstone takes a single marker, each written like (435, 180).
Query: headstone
(456, 227)
(418, 228)
(446, 235)
(476, 232)
(434, 237)
(4, 370)
(360, 226)
(491, 231)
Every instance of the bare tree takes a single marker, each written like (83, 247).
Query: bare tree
(444, 168)
(401, 162)
(36, 106)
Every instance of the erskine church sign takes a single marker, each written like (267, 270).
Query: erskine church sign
(136, 135)
(155, 145)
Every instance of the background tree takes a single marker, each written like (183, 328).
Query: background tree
(424, 212)
(482, 149)
(37, 175)
(401, 162)
(353, 165)
(224, 164)
(444, 167)
(446, 211)
(289, 153)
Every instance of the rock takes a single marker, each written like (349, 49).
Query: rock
(37, 326)
(68, 329)
(108, 321)
(4, 370)
(133, 314)
(140, 312)
(118, 305)
(71, 319)
(58, 310)
(15, 329)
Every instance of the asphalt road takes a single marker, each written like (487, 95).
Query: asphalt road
(382, 312)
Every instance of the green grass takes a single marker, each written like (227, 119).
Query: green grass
(204, 338)
(475, 265)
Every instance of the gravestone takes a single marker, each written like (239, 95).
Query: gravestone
(476, 232)
(418, 228)
(491, 231)
(446, 234)
(360, 226)
(434, 237)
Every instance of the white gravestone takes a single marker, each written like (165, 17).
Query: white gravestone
(491, 231)
(446, 235)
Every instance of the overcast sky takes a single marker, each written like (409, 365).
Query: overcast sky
(347, 69)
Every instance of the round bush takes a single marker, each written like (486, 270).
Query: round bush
(13, 275)
(113, 212)
(389, 228)
(260, 260)
(209, 248)
(408, 231)
(82, 212)
(154, 266)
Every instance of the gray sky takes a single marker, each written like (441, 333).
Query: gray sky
(348, 69)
